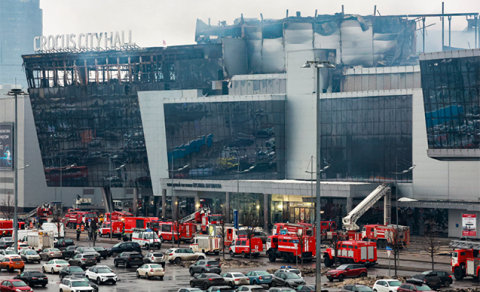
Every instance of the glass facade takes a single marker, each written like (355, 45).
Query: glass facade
(452, 105)
(366, 138)
(226, 140)
(91, 136)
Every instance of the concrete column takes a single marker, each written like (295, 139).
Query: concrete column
(145, 205)
(227, 207)
(197, 201)
(265, 212)
(174, 207)
(135, 201)
(349, 204)
(164, 203)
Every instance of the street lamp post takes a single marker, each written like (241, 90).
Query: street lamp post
(318, 64)
(311, 177)
(173, 217)
(125, 189)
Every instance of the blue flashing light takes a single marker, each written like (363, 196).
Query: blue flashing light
(282, 267)
(289, 267)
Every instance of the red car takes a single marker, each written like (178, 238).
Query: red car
(412, 285)
(14, 286)
(347, 271)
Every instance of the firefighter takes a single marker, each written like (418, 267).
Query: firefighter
(4, 234)
(78, 233)
(124, 235)
(95, 235)
(101, 218)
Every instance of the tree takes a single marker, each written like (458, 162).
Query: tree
(431, 245)
(7, 207)
(250, 222)
(222, 233)
(397, 246)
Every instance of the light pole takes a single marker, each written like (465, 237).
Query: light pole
(318, 64)
(311, 181)
(174, 213)
(396, 247)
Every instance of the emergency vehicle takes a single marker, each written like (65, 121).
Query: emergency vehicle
(386, 234)
(241, 246)
(44, 210)
(117, 216)
(288, 247)
(182, 231)
(211, 219)
(71, 218)
(290, 228)
(7, 227)
(146, 238)
(206, 244)
(116, 227)
(352, 251)
(135, 222)
(465, 259)
(84, 216)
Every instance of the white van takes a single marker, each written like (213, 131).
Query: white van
(146, 238)
(54, 228)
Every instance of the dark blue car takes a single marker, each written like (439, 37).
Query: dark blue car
(259, 277)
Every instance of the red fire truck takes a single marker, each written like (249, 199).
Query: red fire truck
(117, 216)
(241, 246)
(7, 226)
(352, 251)
(85, 216)
(465, 259)
(213, 219)
(135, 222)
(116, 227)
(71, 218)
(288, 247)
(386, 234)
(182, 231)
(289, 228)
(44, 210)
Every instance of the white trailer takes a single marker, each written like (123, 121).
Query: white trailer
(53, 227)
(206, 244)
(41, 240)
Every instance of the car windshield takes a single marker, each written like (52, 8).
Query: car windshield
(155, 266)
(75, 269)
(89, 256)
(7, 239)
(257, 290)
(158, 255)
(423, 288)
(394, 283)
(31, 252)
(213, 263)
(364, 289)
(54, 249)
(104, 270)
(117, 245)
(263, 273)
(151, 235)
(88, 249)
(38, 274)
(169, 251)
(342, 267)
(16, 260)
(61, 262)
(10, 252)
(292, 276)
(238, 275)
(294, 271)
(19, 284)
(80, 284)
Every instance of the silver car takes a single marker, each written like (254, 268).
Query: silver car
(236, 279)
(154, 257)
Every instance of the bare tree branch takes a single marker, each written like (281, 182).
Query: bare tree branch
(431, 245)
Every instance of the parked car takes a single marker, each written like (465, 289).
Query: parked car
(88, 250)
(93, 285)
(386, 285)
(51, 253)
(124, 246)
(69, 252)
(431, 279)
(154, 257)
(355, 288)
(289, 269)
(281, 289)
(206, 280)
(6, 252)
(83, 260)
(6, 242)
(235, 279)
(190, 290)
(347, 271)
(33, 278)
(101, 275)
(71, 271)
(129, 259)
(54, 266)
(445, 277)
(205, 266)
(220, 288)
(287, 279)
(176, 255)
(12, 263)
(63, 243)
(262, 235)
(74, 285)
(30, 256)
(259, 277)
(306, 288)
(413, 285)
(102, 251)
(14, 285)
(151, 270)
(251, 288)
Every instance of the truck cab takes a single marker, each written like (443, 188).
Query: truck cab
(146, 238)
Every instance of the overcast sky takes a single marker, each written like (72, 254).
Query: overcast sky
(153, 21)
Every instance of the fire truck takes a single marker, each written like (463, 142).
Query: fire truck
(206, 244)
(116, 227)
(288, 247)
(465, 259)
(181, 231)
(386, 234)
(290, 228)
(210, 219)
(197, 218)
(135, 222)
(71, 217)
(117, 216)
(7, 226)
(352, 251)
(44, 210)
(241, 246)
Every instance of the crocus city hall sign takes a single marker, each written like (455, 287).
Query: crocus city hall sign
(90, 41)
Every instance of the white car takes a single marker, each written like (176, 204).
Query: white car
(250, 288)
(75, 285)
(101, 275)
(236, 279)
(177, 255)
(150, 271)
(4, 252)
(386, 285)
(54, 266)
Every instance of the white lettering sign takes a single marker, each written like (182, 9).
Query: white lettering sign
(82, 41)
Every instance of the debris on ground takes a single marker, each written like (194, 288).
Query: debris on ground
(228, 263)
(367, 281)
